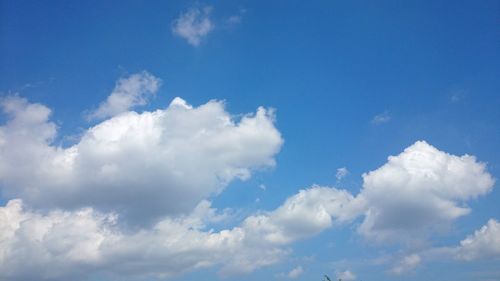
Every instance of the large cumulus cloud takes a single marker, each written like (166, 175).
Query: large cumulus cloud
(142, 165)
(418, 192)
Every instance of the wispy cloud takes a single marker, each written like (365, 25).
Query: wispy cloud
(381, 118)
(408, 263)
(232, 20)
(296, 272)
(458, 95)
(194, 25)
(341, 173)
(346, 275)
(235, 19)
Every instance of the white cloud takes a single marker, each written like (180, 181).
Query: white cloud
(428, 189)
(234, 20)
(408, 263)
(296, 272)
(458, 95)
(161, 166)
(484, 243)
(346, 275)
(341, 173)
(62, 245)
(381, 118)
(302, 215)
(140, 165)
(53, 246)
(86, 241)
(129, 92)
(194, 25)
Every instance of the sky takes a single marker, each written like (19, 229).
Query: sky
(249, 140)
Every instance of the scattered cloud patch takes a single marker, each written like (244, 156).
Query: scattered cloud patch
(262, 186)
(194, 25)
(128, 93)
(234, 20)
(346, 275)
(458, 95)
(484, 243)
(296, 272)
(381, 118)
(341, 173)
(408, 263)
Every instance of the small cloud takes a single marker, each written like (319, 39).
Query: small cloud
(129, 92)
(346, 275)
(262, 186)
(408, 263)
(483, 244)
(194, 25)
(233, 20)
(296, 272)
(458, 95)
(341, 173)
(381, 118)
(257, 200)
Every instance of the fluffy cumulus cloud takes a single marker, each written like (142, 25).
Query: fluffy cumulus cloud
(194, 25)
(129, 92)
(85, 242)
(53, 246)
(484, 243)
(428, 189)
(141, 165)
(303, 215)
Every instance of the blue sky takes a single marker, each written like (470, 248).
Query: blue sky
(342, 85)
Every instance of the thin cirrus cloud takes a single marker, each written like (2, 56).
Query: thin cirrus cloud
(194, 25)
(109, 204)
(381, 118)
